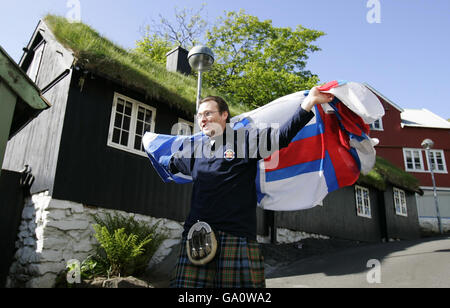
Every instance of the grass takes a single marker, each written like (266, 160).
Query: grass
(384, 172)
(99, 55)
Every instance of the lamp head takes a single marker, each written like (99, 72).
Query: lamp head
(427, 144)
(201, 58)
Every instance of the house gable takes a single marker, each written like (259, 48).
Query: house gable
(37, 145)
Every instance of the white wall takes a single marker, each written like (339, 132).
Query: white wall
(54, 232)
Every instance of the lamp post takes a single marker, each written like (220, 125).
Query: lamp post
(201, 59)
(427, 144)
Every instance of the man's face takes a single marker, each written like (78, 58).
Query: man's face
(210, 121)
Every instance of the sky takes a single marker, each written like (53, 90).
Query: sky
(399, 47)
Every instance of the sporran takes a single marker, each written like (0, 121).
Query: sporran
(201, 244)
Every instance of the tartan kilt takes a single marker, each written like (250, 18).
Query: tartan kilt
(239, 263)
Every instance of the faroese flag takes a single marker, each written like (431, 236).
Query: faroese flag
(328, 154)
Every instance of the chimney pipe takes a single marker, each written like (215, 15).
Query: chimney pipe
(177, 61)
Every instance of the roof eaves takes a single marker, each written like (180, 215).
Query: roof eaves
(20, 83)
(384, 97)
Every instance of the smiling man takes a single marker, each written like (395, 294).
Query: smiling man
(219, 247)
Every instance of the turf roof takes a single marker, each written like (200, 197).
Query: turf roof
(385, 172)
(99, 55)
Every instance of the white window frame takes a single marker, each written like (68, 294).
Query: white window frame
(183, 123)
(38, 54)
(414, 169)
(134, 116)
(366, 210)
(380, 128)
(433, 160)
(400, 205)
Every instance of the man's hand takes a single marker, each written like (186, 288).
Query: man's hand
(316, 97)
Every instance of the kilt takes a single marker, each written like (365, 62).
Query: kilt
(239, 263)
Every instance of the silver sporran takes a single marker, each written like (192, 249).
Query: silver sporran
(201, 244)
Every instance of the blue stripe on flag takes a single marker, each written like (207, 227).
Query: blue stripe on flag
(281, 174)
(259, 194)
(307, 132)
(241, 124)
(330, 174)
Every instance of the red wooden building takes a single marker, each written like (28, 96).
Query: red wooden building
(401, 133)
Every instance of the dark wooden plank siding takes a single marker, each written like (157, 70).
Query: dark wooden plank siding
(92, 173)
(38, 143)
(11, 207)
(336, 218)
(401, 227)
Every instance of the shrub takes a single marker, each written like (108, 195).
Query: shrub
(125, 247)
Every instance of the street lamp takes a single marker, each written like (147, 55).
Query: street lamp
(427, 144)
(201, 59)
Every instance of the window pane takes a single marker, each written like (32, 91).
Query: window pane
(128, 109)
(126, 123)
(120, 104)
(147, 128)
(118, 122)
(137, 143)
(417, 160)
(141, 114)
(439, 161)
(148, 117)
(139, 127)
(408, 157)
(116, 135)
(124, 138)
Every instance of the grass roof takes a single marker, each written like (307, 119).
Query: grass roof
(99, 55)
(385, 172)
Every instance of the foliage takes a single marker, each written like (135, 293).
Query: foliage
(256, 62)
(154, 47)
(121, 249)
(125, 247)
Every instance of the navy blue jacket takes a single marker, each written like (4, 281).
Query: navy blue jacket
(224, 173)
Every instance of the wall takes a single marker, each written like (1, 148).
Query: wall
(6, 115)
(336, 218)
(401, 227)
(427, 211)
(11, 206)
(37, 145)
(53, 232)
(91, 172)
(394, 138)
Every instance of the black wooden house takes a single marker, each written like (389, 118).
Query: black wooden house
(87, 147)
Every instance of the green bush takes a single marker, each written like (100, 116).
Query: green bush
(125, 247)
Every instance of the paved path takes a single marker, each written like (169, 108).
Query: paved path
(411, 264)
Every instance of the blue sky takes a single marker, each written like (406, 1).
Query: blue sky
(405, 56)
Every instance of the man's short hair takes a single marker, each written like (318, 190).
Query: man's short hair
(223, 106)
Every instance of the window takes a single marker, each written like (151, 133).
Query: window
(377, 125)
(400, 202)
(437, 161)
(363, 202)
(413, 160)
(33, 70)
(130, 120)
(184, 128)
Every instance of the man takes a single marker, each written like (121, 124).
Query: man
(224, 195)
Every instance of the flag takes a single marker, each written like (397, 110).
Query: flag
(326, 155)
